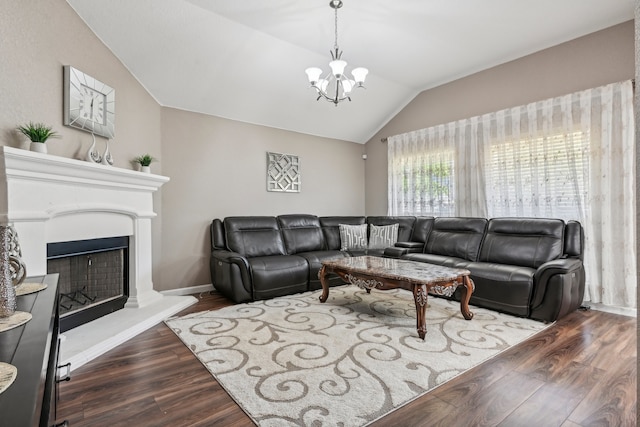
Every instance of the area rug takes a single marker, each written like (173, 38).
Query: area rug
(293, 361)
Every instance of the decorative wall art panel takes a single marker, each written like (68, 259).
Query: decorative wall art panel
(283, 173)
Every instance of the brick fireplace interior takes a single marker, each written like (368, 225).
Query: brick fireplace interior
(93, 278)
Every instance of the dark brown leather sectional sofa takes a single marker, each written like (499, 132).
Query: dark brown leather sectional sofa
(528, 267)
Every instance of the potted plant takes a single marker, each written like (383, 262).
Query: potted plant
(145, 161)
(38, 133)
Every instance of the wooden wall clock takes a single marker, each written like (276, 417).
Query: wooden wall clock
(89, 104)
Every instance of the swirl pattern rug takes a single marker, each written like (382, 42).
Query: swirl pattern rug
(293, 361)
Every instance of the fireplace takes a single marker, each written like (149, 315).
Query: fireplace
(93, 278)
(53, 199)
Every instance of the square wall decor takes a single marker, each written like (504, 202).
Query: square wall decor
(283, 173)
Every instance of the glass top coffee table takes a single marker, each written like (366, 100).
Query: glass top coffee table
(368, 272)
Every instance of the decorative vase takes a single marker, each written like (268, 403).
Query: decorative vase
(7, 290)
(38, 147)
(107, 158)
(145, 169)
(17, 267)
(93, 155)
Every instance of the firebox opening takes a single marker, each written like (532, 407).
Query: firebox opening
(94, 278)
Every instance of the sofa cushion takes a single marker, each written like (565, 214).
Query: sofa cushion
(275, 276)
(384, 236)
(528, 242)
(314, 259)
(331, 228)
(456, 237)
(301, 233)
(444, 260)
(353, 237)
(501, 287)
(254, 236)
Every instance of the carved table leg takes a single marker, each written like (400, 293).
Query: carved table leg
(467, 290)
(325, 285)
(420, 297)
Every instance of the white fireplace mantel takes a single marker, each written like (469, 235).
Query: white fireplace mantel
(50, 199)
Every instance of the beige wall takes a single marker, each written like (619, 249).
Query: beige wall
(218, 168)
(596, 59)
(39, 37)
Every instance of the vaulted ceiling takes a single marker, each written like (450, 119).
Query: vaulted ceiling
(245, 59)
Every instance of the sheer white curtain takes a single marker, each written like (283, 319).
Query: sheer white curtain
(570, 157)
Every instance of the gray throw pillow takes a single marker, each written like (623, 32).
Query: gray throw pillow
(353, 237)
(384, 236)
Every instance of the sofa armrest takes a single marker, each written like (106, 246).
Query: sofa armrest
(403, 248)
(231, 276)
(414, 246)
(559, 288)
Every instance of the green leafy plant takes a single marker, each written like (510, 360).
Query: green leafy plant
(144, 160)
(37, 132)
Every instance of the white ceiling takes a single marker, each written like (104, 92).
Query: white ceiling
(245, 59)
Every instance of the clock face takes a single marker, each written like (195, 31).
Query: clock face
(88, 103)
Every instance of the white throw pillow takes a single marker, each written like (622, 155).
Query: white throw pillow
(353, 237)
(384, 236)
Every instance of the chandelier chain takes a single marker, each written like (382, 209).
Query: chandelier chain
(335, 43)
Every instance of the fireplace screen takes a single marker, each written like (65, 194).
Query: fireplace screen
(92, 278)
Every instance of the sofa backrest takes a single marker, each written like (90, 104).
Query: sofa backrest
(331, 228)
(456, 237)
(528, 242)
(217, 235)
(254, 236)
(421, 229)
(574, 240)
(301, 233)
(405, 224)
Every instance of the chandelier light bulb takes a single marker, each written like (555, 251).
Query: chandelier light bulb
(335, 86)
(313, 73)
(337, 67)
(360, 74)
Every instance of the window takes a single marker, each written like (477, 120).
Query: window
(539, 177)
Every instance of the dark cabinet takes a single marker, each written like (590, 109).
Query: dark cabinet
(33, 349)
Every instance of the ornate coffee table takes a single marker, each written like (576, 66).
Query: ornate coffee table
(368, 272)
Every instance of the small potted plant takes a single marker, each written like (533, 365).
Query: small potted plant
(145, 162)
(38, 133)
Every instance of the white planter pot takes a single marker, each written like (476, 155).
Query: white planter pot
(38, 147)
(145, 169)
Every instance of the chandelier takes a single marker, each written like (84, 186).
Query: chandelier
(335, 86)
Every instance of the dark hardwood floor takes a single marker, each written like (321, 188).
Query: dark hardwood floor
(580, 372)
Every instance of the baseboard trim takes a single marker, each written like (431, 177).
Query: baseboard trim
(188, 291)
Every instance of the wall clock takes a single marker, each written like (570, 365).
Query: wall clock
(89, 104)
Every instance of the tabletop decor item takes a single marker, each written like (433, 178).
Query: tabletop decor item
(38, 134)
(89, 104)
(107, 158)
(93, 155)
(145, 161)
(8, 374)
(17, 267)
(7, 290)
